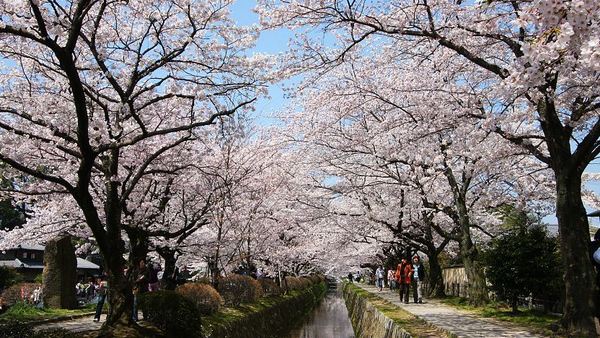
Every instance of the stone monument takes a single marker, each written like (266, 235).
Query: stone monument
(60, 274)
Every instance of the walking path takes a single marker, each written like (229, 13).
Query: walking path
(81, 324)
(460, 323)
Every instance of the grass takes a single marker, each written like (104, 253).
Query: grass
(413, 325)
(27, 313)
(534, 320)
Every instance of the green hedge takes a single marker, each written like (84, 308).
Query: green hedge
(172, 313)
(269, 317)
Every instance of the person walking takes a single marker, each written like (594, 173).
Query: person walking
(90, 290)
(141, 287)
(391, 276)
(403, 276)
(350, 277)
(101, 290)
(417, 280)
(379, 276)
(153, 277)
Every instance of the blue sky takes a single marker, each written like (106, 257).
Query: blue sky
(270, 42)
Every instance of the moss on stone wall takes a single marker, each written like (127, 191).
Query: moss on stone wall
(374, 317)
(271, 316)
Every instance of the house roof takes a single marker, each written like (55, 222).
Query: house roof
(13, 263)
(85, 264)
(31, 247)
(17, 263)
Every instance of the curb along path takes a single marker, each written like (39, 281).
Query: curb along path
(447, 318)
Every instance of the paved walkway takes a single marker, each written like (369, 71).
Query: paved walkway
(461, 323)
(81, 324)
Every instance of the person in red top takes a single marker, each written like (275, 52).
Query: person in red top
(404, 273)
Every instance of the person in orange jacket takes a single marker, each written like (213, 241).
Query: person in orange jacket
(404, 273)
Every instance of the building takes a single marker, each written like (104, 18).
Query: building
(28, 260)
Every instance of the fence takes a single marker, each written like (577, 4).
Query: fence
(456, 284)
(455, 281)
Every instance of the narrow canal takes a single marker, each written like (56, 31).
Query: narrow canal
(329, 319)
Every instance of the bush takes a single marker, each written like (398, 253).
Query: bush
(39, 278)
(19, 293)
(171, 312)
(269, 287)
(523, 260)
(297, 283)
(316, 279)
(8, 276)
(203, 280)
(204, 296)
(236, 289)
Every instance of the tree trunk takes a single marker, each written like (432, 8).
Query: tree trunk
(477, 292)
(120, 298)
(578, 314)
(434, 277)
(514, 304)
(169, 281)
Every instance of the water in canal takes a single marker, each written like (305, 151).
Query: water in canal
(329, 319)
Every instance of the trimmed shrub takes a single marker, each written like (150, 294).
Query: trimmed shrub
(19, 293)
(237, 289)
(297, 283)
(171, 312)
(203, 280)
(314, 279)
(269, 287)
(204, 296)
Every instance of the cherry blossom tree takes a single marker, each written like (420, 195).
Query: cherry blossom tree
(98, 95)
(376, 135)
(536, 65)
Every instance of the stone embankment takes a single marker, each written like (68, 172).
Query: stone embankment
(367, 320)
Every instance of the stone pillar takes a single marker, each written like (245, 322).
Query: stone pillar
(60, 274)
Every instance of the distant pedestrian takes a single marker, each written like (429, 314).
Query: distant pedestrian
(90, 290)
(350, 277)
(101, 291)
(391, 276)
(379, 276)
(36, 296)
(417, 280)
(153, 277)
(403, 276)
(140, 287)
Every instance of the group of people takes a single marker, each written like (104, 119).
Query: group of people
(86, 291)
(95, 290)
(406, 275)
(146, 279)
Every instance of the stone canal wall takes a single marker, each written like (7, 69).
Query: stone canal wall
(272, 317)
(367, 320)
